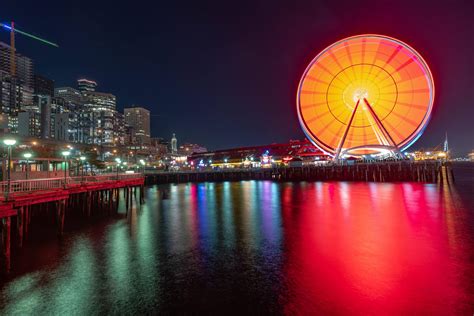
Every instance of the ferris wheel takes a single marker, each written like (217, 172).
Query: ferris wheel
(366, 94)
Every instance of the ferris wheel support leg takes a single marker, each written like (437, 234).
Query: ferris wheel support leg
(383, 129)
(343, 139)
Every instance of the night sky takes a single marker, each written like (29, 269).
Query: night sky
(224, 73)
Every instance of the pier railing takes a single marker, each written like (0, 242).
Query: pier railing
(58, 183)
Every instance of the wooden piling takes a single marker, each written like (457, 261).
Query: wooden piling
(5, 244)
(19, 226)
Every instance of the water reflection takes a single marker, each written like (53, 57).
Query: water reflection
(267, 247)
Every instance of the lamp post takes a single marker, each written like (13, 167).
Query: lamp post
(9, 143)
(65, 154)
(142, 162)
(27, 156)
(82, 158)
(118, 160)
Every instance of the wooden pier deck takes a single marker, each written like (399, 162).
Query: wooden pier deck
(430, 172)
(58, 196)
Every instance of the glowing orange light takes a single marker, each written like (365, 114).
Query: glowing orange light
(365, 91)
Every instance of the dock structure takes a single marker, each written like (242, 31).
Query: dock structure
(430, 172)
(23, 200)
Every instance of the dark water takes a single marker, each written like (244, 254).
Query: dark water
(262, 247)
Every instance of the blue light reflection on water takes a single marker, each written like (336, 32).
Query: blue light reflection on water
(260, 247)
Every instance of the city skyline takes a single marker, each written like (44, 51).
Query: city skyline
(204, 75)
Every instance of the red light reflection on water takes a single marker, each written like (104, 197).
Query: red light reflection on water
(378, 248)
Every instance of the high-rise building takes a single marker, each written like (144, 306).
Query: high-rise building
(16, 91)
(43, 85)
(70, 100)
(119, 129)
(24, 65)
(29, 124)
(86, 85)
(61, 126)
(139, 119)
(42, 105)
(99, 112)
(71, 95)
(14, 95)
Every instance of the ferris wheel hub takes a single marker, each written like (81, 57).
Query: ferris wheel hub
(360, 94)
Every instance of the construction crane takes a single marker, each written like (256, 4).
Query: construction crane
(14, 30)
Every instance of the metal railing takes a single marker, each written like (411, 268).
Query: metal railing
(58, 183)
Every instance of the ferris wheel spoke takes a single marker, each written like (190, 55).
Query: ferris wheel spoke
(389, 60)
(412, 59)
(374, 60)
(341, 68)
(349, 55)
(343, 139)
(380, 124)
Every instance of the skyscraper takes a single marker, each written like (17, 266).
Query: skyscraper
(15, 91)
(70, 100)
(99, 113)
(139, 119)
(24, 65)
(86, 85)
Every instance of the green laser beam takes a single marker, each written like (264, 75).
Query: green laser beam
(29, 35)
(36, 38)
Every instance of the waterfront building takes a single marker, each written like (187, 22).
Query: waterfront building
(302, 151)
(139, 119)
(61, 126)
(160, 146)
(187, 149)
(428, 154)
(29, 123)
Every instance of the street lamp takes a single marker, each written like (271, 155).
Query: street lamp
(118, 160)
(82, 158)
(9, 143)
(27, 156)
(65, 154)
(142, 162)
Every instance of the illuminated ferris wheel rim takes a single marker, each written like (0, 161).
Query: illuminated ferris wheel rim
(413, 136)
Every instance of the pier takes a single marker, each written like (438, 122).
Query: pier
(25, 200)
(429, 172)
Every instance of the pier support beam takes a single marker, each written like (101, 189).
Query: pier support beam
(5, 244)
(60, 213)
(20, 223)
